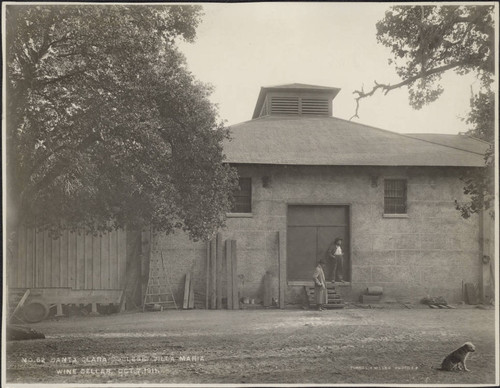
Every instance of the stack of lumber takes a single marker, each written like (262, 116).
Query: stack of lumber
(222, 265)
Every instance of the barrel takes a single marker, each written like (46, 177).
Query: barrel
(374, 290)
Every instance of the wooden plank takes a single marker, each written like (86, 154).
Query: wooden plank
(123, 301)
(213, 274)
(88, 261)
(64, 258)
(96, 262)
(191, 294)
(113, 260)
(105, 261)
(471, 293)
(122, 257)
(219, 270)
(80, 260)
(30, 257)
(40, 258)
(207, 274)
(229, 276)
(282, 268)
(56, 269)
(267, 302)
(72, 259)
(21, 303)
(234, 269)
(186, 291)
(21, 258)
(47, 268)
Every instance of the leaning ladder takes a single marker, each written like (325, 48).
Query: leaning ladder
(158, 291)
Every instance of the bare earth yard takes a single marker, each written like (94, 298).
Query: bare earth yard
(349, 346)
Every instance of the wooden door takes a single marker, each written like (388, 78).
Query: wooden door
(311, 229)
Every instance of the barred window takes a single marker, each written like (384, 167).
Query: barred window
(243, 197)
(395, 196)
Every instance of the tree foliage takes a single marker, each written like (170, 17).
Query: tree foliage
(106, 127)
(428, 40)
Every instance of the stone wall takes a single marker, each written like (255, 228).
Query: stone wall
(430, 252)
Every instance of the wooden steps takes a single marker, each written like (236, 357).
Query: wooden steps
(334, 299)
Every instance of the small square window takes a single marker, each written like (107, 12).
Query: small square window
(395, 196)
(243, 197)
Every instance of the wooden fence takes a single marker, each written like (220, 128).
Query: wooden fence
(77, 260)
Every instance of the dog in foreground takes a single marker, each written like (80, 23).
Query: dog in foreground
(456, 359)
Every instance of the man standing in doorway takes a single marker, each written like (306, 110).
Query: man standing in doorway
(320, 286)
(336, 257)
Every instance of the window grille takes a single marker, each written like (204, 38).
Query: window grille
(243, 197)
(395, 196)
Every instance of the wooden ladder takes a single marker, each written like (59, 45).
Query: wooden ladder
(334, 299)
(158, 291)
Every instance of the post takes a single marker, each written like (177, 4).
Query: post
(145, 255)
(219, 271)
(187, 281)
(234, 268)
(229, 276)
(282, 268)
(213, 274)
(483, 274)
(207, 271)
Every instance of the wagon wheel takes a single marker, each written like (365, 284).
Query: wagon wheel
(35, 311)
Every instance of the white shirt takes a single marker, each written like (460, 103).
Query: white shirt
(338, 250)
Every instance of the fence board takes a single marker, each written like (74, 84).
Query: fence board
(80, 260)
(56, 269)
(113, 260)
(72, 260)
(96, 262)
(21, 257)
(63, 262)
(47, 258)
(122, 257)
(30, 257)
(104, 260)
(88, 262)
(40, 258)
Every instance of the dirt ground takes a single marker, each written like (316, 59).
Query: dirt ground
(349, 346)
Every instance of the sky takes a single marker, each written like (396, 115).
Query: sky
(241, 47)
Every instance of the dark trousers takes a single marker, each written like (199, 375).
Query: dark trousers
(337, 268)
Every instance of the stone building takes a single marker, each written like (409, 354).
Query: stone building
(307, 178)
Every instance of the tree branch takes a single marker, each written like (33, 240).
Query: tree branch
(386, 88)
(61, 78)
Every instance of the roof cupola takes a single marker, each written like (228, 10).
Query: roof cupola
(295, 100)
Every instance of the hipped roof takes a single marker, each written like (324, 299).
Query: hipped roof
(299, 140)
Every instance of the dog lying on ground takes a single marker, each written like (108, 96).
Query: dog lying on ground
(456, 359)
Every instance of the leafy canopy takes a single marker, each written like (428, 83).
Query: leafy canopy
(428, 40)
(106, 127)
